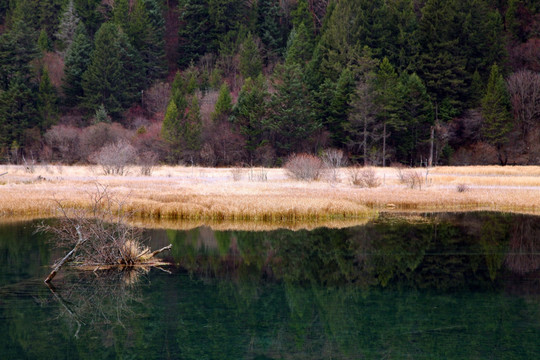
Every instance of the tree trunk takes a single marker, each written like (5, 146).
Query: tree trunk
(384, 146)
(66, 258)
(431, 141)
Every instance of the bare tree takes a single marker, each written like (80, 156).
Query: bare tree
(524, 90)
(114, 158)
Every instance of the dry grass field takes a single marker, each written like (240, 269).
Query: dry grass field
(173, 195)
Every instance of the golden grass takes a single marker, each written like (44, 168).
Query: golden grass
(192, 195)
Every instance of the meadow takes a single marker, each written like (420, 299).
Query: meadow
(259, 196)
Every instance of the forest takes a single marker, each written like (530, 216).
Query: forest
(231, 82)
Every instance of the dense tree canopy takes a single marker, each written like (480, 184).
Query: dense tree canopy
(385, 81)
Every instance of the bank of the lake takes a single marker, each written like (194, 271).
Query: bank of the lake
(268, 195)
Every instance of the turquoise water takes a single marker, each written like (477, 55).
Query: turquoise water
(463, 286)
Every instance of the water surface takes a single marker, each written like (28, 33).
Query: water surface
(461, 286)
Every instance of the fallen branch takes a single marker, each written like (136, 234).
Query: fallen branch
(66, 258)
(3, 174)
(154, 253)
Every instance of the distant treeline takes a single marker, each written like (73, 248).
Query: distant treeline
(226, 82)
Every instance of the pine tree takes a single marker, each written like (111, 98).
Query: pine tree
(292, 122)
(76, 62)
(196, 33)
(223, 107)
(250, 113)
(111, 75)
(299, 46)
(17, 51)
(416, 113)
(250, 59)
(496, 112)
(270, 25)
(43, 41)
(192, 128)
(387, 99)
(47, 103)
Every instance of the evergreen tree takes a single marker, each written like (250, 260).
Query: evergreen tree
(90, 12)
(292, 122)
(496, 112)
(223, 107)
(43, 41)
(270, 27)
(250, 59)
(113, 75)
(47, 103)
(250, 113)
(299, 46)
(387, 98)
(416, 114)
(192, 128)
(17, 112)
(101, 115)
(17, 50)
(196, 32)
(76, 62)
(67, 28)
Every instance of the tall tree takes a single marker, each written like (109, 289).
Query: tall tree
(387, 98)
(271, 26)
(496, 112)
(223, 107)
(47, 101)
(113, 75)
(292, 121)
(77, 60)
(250, 113)
(250, 59)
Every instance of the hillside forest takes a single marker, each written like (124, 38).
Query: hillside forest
(229, 82)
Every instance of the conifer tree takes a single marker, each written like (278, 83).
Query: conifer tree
(43, 41)
(496, 112)
(47, 103)
(299, 46)
(270, 26)
(387, 99)
(196, 33)
(113, 75)
(77, 60)
(250, 59)
(223, 107)
(292, 122)
(250, 113)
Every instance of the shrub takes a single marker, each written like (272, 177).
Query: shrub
(305, 167)
(462, 188)
(147, 161)
(364, 177)
(411, 178)
(237, 172)
(114, 158)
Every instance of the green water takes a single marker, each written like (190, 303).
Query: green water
(463, 286)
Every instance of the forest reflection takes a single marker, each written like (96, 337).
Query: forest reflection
(449, 286)
(440, 251)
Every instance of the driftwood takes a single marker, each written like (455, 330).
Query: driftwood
(3, 174)
(67, 257)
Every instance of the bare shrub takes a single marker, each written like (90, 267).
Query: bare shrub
(258, 174)
(64, 142)
(95, 137)
(305, 167)
(411, 178)
(114, 158)
(156, 98)
(333, 159)
(462, 188)
(147, 161)
(237, 173)
(364, 177)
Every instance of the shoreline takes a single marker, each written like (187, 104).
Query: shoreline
(214, 195)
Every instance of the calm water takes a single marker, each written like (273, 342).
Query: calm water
(432, 287)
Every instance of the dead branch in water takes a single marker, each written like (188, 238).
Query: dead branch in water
(99, 237)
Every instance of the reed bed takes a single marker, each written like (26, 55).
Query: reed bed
(211, 196)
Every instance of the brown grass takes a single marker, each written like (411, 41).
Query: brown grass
(207, 195)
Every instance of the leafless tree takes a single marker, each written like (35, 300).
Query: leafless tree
(304, 167)
(114, 158)
(524, 89)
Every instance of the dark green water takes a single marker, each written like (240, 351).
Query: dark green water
(440, 287)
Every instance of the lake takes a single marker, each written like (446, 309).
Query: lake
(429, 286)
